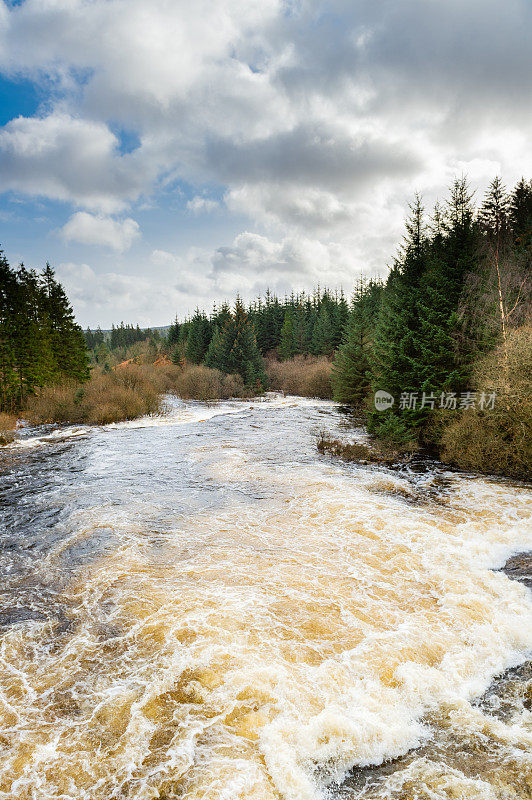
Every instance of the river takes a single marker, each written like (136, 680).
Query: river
(201, 606)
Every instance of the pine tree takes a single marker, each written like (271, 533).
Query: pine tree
(520, 212)
(238, 352)
(287, 346)
(198, 337)
(351, 369)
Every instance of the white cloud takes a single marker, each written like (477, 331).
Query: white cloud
(91, 229)
(202, 204)
(64, 158)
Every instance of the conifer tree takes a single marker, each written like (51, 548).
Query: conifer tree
(213, 356)
(66, 337)
(494, 211)
(520, 212)
(395, 365)
(287, 346)
(40, 342)
(198, 337)
(237, 351)
(351, 369)
(323, 334)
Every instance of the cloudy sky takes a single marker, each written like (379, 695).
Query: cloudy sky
(164, 153)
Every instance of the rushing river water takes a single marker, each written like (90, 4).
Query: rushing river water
(200, 606)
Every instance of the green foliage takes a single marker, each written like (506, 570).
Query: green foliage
(235, 352)
(416, 347)
(520, 213)
(394, 430)
(287, 344)
(351, 368)
(198, 338)
(40, 342)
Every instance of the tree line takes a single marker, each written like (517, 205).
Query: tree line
(235, 340)
(40, 342)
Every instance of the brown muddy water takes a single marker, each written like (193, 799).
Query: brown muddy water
(201, 606)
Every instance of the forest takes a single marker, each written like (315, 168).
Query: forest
(447, 336)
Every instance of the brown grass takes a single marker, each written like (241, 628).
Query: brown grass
(497, 441)
(7, 422)
(306, 376)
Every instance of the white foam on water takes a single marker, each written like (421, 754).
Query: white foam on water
(261, 652)
(61, 434)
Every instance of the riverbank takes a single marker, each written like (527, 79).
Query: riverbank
(128, 392)
(388, 454)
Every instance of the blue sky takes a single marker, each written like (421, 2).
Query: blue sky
(162, 155)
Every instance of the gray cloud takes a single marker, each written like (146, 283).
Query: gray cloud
(312, 155)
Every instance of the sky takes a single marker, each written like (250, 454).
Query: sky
(165, 154)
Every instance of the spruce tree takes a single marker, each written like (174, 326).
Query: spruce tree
(323, 334)
(520, 213)
(351, 369)
(394, 361)
(238, 352)
(213, 356)
(287, 346)
(66, 337)
(198, 337)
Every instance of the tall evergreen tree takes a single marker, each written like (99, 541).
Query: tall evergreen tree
(287, 345)
(198, 337)
(40, 342)
(520, 213)
(352, 363)
(237, 352)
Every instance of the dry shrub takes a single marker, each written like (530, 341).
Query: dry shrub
(306, 376)
(205, 384)
(7, 428)
(106, 397)
(129, 392)
(497, 441)
(7, 422)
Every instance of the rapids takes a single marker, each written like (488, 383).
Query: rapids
(201, 606)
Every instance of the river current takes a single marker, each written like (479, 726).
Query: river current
(201, 606)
